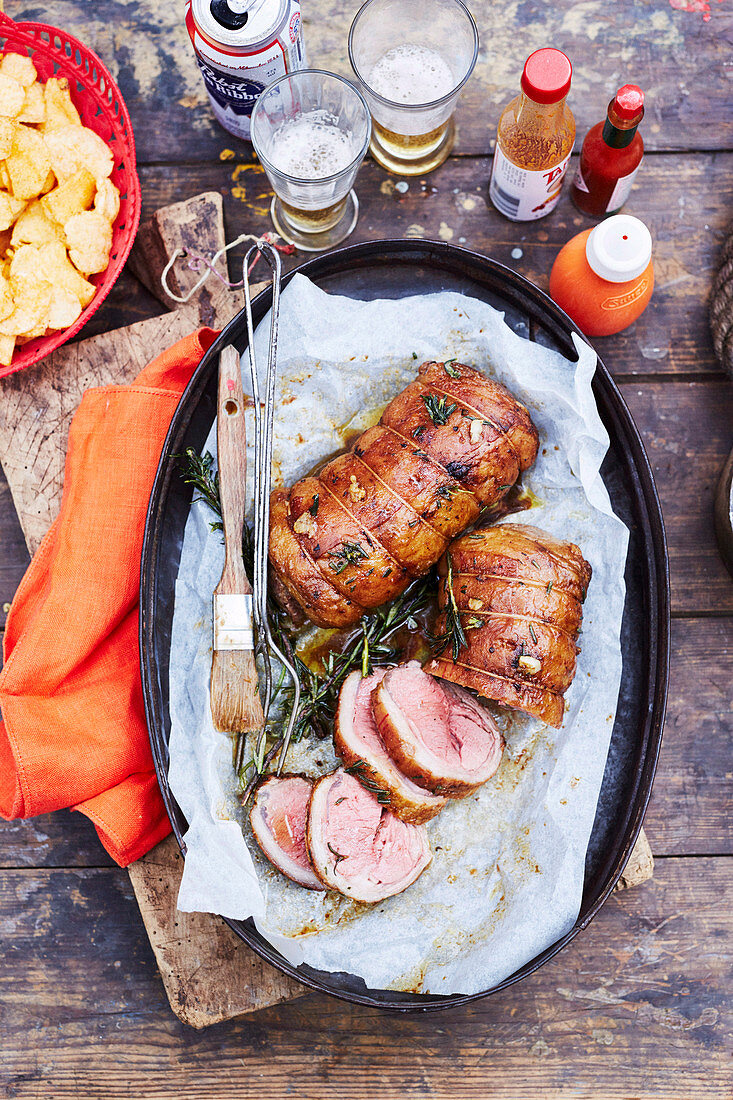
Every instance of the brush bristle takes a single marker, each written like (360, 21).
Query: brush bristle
(235, 698)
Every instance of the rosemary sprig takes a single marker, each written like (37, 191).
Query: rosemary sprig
(453, 635)
(449, 370)
(349, 553)
(438, 408)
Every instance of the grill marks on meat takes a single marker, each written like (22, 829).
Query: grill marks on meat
(356, 535)
(519, 591)
(357, 846)
(278, 817)
(362, 751)
(437, 734)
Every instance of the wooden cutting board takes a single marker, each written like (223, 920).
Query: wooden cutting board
(209, 974)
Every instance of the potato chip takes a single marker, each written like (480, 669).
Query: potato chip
(49, 183)
(19, 67)
(28, 163)
(65, 308)
(7, 347)
(52, 260)
(35, 227)
(7, 133)
(10, 208)
(12, 96)
(32, 305)
(60, 111)
(89, 241)
(107, 200)
(71, 197)
(4, 177)
(74, 147)
(7, 304)
(34, 105)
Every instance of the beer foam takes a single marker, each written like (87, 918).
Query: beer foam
(411, 74)
(311, 146)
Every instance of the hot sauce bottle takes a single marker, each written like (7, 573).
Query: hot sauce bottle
(604, 277)
(534, 140)
(611, 155)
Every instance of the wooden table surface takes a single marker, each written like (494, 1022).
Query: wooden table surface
(639, 1004)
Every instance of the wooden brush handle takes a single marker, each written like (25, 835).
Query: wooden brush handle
(232, 458)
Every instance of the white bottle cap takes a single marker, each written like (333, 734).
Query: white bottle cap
(619, 249)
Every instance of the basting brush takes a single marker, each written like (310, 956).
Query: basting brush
(235, 698)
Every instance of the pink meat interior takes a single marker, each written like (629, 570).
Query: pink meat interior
(365, 728)
(374, 844)
(286, 815)
(449, 724)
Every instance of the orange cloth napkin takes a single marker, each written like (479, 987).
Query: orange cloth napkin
(73, 730)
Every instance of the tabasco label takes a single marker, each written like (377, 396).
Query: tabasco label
(522, 195)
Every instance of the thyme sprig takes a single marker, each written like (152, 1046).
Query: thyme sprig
(453, 635)
(438, 408)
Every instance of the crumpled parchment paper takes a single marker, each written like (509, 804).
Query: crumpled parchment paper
(507, 871)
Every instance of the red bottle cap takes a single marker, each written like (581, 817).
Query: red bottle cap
(629, 101)
(546, 76)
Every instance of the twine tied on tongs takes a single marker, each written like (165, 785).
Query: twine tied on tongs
(197, 261)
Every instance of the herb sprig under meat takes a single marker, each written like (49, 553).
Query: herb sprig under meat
(453, 635)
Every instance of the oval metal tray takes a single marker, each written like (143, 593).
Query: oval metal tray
(393, 269)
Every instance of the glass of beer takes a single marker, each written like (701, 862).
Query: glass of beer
(412, 58)
(311, 131)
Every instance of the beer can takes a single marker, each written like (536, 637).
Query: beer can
(241, 46)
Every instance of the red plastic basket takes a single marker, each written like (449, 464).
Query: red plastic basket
(97, 99)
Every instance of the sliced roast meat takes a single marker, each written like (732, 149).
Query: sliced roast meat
(437, 734)
(518, 592)
(278, 817)
(362, 751)
(355, 535)
(357, 846)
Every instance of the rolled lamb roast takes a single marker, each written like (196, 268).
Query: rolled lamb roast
(437, 734)
(375, 518)
(357, 846)
(278, 817)
(517, 592)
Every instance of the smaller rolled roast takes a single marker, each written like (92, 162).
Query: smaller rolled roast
(518, 592)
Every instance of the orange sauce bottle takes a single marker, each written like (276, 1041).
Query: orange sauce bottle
(603, 278)
(534, 140)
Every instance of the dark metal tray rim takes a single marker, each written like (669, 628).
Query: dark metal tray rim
(549, 316)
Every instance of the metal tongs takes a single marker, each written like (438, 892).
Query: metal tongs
(264, 414)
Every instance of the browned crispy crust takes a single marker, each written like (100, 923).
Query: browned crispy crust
(379, 516)
(519, 592)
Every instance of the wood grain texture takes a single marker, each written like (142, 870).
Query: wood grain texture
(209, 974)
(687, 429)
(678, 58)
(685, 202)
(635, 1007)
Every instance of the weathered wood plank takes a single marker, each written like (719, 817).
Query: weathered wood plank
(14, 556)
(689, 811)
(677, 57)
(635, 1007)
(671, 337)
(687, 429)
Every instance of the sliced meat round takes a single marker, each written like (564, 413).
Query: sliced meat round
(278, 817)
(357, 846)
(437, 734)
(359, 745)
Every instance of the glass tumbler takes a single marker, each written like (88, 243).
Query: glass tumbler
(412, 58)
(311, 131)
